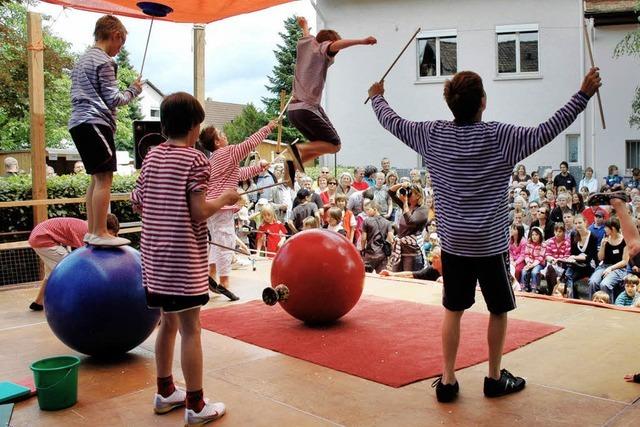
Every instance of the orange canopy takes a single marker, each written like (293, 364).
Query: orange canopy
(189, 11)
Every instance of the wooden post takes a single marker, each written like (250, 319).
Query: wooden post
(36, 108)
(283, 99)
(198, 63)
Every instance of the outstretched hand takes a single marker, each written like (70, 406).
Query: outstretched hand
(369, 40)
(376, 89)
(302, 21)
(591, 82)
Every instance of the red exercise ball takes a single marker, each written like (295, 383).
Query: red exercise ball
(324, 275)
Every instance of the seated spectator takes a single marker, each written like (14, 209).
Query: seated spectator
(609, 275)
(597, 227)
(520, 178)
(376, 230)
(613, 180)
(518, 219)
(432, 242)
(564, 178)
(334, 221)
(532, 213)
(562, 206)
(601, 297)
(534, 186)
(560, 290)
(551, 199)
(558, 248)
(11, 167)
(304, 209)
(567, 220)
(584, 192)
(577, 203)
(271, 233)
(590, 212)
(533, 261)
(517, 246)
(547, 177)
(432, 272)
(627, 297)
(589, 181)
(54, 239)
(359, 183)
(584, 254)
(634, 182)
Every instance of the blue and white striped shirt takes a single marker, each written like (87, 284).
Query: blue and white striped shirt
(94, 90)
(470, 167)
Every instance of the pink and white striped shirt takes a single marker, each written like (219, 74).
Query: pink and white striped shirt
(534, 253)
(58, 232)
(225, 169)
(173, 246)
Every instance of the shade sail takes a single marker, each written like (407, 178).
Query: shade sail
(186, 11)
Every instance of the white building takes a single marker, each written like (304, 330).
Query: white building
(150, 100)
(530, 54)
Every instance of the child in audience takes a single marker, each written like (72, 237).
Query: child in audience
(348, 219)
(334, 221)
(558, 248)
(630, 288)
(170, 193)
(304, 209)
(560, 290)
(601, 297)
(95, 95)
(309, 223)
(517, 246)
(533, 261)
(271, 234)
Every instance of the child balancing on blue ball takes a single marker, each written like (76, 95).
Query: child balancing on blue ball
(170, 195)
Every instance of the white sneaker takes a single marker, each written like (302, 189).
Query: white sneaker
(88, 237)
(162, 405)
(108, 241)
(210, 412)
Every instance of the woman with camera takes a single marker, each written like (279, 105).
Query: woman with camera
(406, 254)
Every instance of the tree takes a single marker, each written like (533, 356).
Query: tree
(630, 45)
(127, 113)
(14, 84)
(247, 123)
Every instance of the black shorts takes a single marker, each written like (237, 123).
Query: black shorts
(314, 125)
(96, 147)
(175, 303)
(460, 274)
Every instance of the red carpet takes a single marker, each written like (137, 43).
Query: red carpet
(388, 341)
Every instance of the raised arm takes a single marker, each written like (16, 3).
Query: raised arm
(304, 26)
(242, 150)
(338, 45)
(519, 142)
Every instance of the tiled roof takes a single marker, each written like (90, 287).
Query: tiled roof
(608, 6)
(220, 113)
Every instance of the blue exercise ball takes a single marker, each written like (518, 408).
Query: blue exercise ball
(95, 303)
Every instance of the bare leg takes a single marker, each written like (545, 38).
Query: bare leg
(224, 281)
(191, 348)
(629, 230)
(165, 343)
(101, 196)
(496, 334)
(212, 271)
(314, 149)
(89, 205)
(450, 342)
(40, 298)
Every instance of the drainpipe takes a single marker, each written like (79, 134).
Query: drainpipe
(583, 119)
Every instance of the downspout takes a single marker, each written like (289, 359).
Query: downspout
(583, 119)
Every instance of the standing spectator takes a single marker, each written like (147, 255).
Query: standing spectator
(264, 178)
(359, 183)
(369, 175)
(334, 221)
(534, 255)
(547, 176)
(534, 186)
(562, 207)
(517, 246)
(588, 180)
(407, 255)
(321, 183)
(375, 232)
(391, 178)
(385, 165)
(608, 276)
(598, 226)
(271, 234)
(345, 184)
(328, 196)
(414, 176)
(356, 201)
(381, 196)
(304, 209)
(11, 167)
(584, 255)
(283, 195)
(558, 248)
(307, 183)
(51, 172)
(564, 178)
(613, 180)
(349, 222)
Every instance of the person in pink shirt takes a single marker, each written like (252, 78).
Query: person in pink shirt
(533, 261)
(54, 239)
(558, 248)
(517, 246)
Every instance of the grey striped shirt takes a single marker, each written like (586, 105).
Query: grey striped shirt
(94, 90)
(470, 168)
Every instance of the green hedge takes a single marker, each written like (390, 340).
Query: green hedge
(66, 186)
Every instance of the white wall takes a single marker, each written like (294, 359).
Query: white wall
(620, 78)
(149, 99)
(525, 102)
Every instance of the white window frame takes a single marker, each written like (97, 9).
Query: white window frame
(626, 153)
(152, 109)
(437, 34)
(567, 139)
(517, 29)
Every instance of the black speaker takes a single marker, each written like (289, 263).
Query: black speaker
(146, 135)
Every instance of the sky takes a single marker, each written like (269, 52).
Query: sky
(238, 53)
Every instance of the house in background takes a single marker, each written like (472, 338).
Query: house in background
(150, 100)
(531, 55)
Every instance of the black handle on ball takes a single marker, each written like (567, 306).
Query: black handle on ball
(271, 296)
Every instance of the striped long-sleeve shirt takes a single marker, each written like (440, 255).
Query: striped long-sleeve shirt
(95, 94)
(225, 172)
(174, 248)
(470, 168)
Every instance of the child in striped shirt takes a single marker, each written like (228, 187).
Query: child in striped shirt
(472, 209)
(170, 194)
(95, 95)
(226, 173)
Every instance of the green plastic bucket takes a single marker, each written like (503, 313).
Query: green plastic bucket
(56, 380)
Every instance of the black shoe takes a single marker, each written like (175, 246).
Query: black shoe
(507, 384)
(213, 286)
(227, 293)
(296, 157)
(289, 174)
(445, 392)
(36, 307)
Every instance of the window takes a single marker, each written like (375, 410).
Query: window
(155, 112)
(517, 49)
(437, 53)
(573, 149)
(633, 154)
